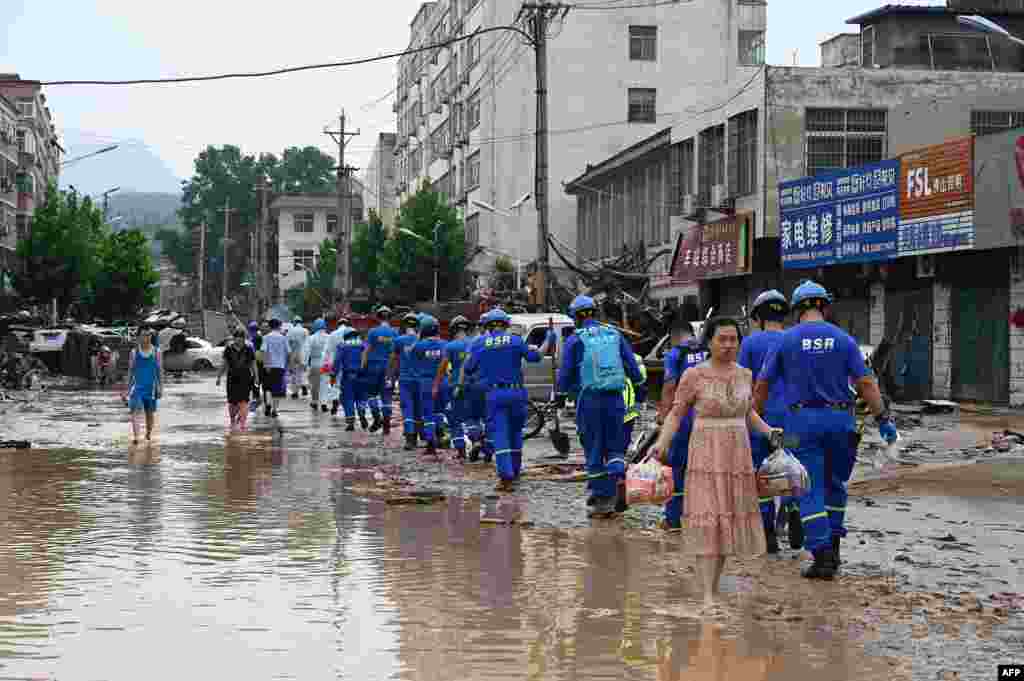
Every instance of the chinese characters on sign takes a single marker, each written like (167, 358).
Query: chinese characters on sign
(717, 249)
(917, 204)
(843, 216)
(937, 203)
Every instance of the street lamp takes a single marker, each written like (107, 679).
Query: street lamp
(517, 209)
(437, 262)
(980, 23)
(89, 155)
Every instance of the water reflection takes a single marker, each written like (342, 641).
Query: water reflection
(243, 560)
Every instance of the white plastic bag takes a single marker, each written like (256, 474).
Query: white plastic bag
(782, 475)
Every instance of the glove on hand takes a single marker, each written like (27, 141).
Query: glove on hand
(887, 429)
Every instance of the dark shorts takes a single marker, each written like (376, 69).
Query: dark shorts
(275, 382)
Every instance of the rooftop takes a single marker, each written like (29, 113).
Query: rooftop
(658, 139)
(918, 10)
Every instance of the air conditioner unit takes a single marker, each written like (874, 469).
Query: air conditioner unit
(446, 96)
(689, 205)
(924, 266)
(718, 195)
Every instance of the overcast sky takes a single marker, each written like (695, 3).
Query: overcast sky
(126, 39)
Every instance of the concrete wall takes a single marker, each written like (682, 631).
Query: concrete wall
(379, 180)
(289, 242)
(902, 43)
(842, 50)
(942, 340)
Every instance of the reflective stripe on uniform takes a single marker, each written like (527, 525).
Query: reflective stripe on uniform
(813, 516)
(765, 500)
(837, 509)
(679, 494)
(611, 461)
(629, 398)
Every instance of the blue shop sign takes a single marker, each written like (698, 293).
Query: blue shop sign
(843, 216)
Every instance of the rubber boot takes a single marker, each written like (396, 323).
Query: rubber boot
(295, 396)
(474, 454)
(375, 426)
(350, 424)
(386, 427)
(410, 443)
(620, 498)
(835, 551)
(823, 567)
(305, 391)
(772, 541)
(313, 404)
(362, 421)
(796, 529)
(334, 408)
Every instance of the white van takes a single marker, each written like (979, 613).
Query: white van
(533, 327)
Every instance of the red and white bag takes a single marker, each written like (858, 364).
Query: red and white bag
(649, 482)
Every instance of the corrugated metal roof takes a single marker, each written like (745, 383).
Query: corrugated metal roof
(885, 10)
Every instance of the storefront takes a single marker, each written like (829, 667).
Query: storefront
(718, 258)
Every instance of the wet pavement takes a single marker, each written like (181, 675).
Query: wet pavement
(262, 557)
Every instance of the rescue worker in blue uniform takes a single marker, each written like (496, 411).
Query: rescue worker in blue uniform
(686, 352)
(455, 353)
(347, 368)
(408, 387)
(596, 360)
(816, 363)
(498, 360)
(475, 396)
(379, 343)
(768, 312)
(427, 355)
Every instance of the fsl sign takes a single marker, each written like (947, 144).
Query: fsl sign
(937, 201)
(716, 249)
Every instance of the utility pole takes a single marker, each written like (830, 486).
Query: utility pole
(342, 276)
(227, 210)
(259, 253)
(538, 16)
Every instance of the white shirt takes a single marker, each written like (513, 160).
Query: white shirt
(314, 351)
(297, 337)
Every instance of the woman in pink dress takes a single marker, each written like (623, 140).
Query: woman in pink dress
(721, 492)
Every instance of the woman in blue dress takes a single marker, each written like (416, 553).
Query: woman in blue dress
(144, 384)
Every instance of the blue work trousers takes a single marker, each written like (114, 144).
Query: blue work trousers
(678, 456)
(826, 450)
(458, 422)
(760, 448)
(353, 395)
(409, 398)
(430, 410)
(506, 416)
(476, 414)
(599, 418)
(378, 392)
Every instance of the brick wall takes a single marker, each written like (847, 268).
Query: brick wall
(942, 340)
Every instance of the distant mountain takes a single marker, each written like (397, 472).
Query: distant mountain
(145, 211)
(133, 166)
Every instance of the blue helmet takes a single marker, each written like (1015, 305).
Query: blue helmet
(428, 325)
(773, 299)
(319, 325)
(411, 319)
(581, 304)
(808, 291)
(496, 316)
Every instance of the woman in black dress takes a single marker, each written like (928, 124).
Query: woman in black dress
(239, 363)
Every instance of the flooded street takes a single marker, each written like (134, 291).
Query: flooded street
(256, 557)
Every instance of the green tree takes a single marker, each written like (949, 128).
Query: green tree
(409, 262)
(504, 273)
(305, 169)
(60, 254)
(321, 279)
(369, 240)
(126, 278)
(177, 246)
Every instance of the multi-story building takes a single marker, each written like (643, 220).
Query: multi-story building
(909, 78)
(39, 150)
(303, 222)
(9, 163)
(379, 180)
(467, 112)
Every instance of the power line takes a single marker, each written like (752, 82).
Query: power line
(608, 7)
(292, 69)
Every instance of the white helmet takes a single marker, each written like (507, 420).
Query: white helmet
(178, 323)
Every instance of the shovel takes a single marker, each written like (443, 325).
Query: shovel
(559, 439)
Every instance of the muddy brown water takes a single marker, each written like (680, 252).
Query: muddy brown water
(200, 557)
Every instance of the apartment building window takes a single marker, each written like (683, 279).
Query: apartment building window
(473, 171)
(26, 142)
(27, 107)
(682, 173)
(867, 47)
(743, 153)
(303, 259)
(751, 48)
(643, 43)
(473, 229)
(332, 223)
(472, 52)
(844, 138)
(304, 223)
(991, 122)
(470, 4)
(642, 105)
(959, 52)
(473, 111)
(25, 182)
(712, 162)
